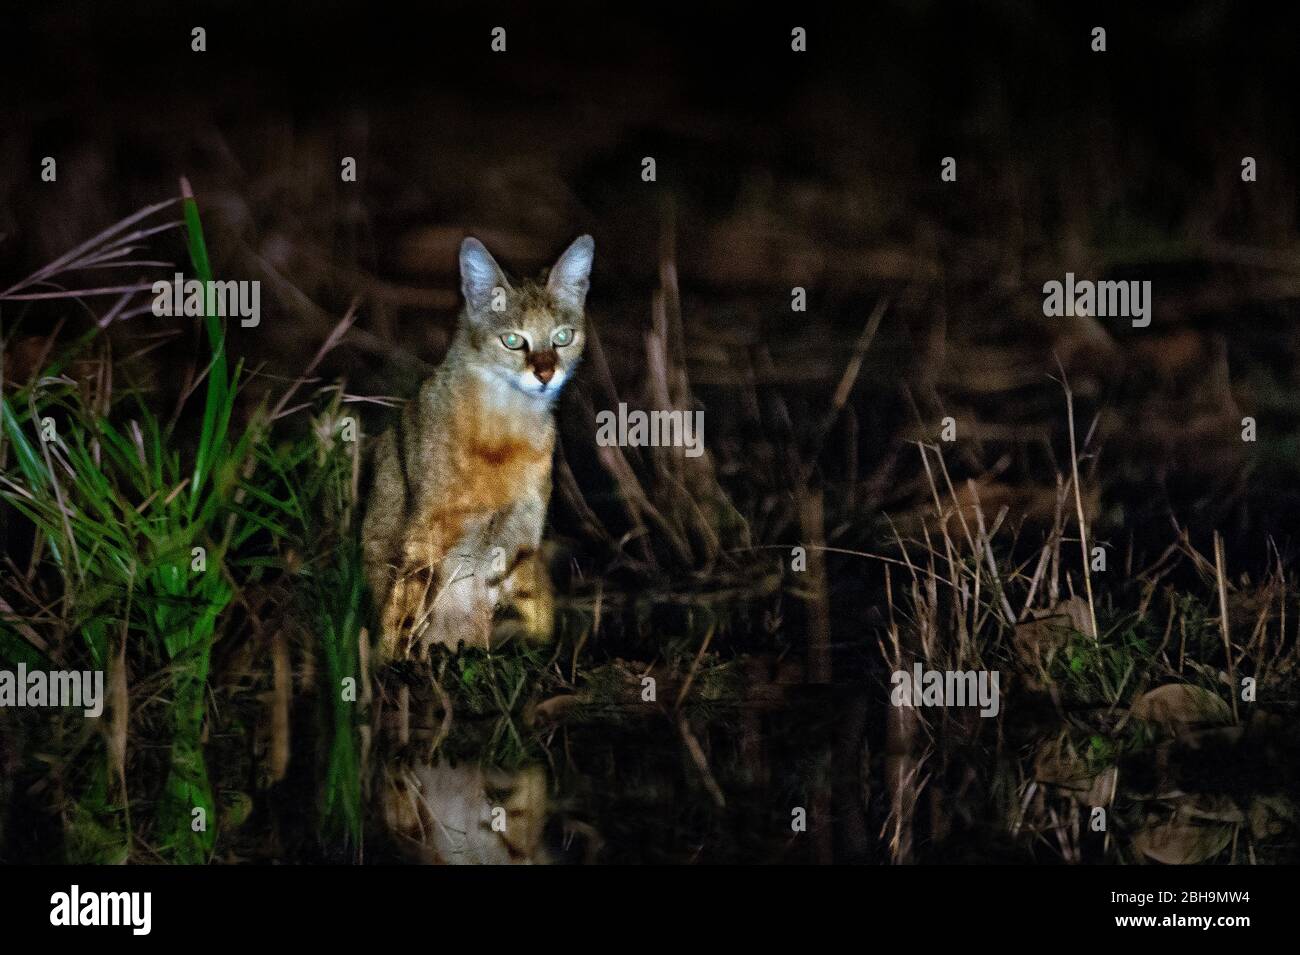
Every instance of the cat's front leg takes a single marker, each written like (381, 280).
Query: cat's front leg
(462, 610)
(465, 598)
(525, 585)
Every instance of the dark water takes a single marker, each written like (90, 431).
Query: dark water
(757, 765)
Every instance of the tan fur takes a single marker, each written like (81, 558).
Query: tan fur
(453, 527)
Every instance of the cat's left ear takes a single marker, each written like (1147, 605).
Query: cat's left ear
(480, 277)
(570, 278)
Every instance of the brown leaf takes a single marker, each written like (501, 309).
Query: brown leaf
(553, 709)
(1182, 843)
(1049, 630)
(1179, 706)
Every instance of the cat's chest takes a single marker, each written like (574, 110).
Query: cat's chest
(496, 456)
(497, 470)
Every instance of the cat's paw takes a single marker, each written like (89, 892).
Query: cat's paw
(462, 614)
(402, 619)
(537, 616)
(528, 595)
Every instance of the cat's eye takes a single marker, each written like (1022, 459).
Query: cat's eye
(562, 337)
(513, 340)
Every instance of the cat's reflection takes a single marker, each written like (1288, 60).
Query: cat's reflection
(467, 814)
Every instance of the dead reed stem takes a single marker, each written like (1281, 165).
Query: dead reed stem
(1221, 578)
(1078, 503)
(813, 532)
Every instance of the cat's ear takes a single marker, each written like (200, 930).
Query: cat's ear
(479, 276)
(570, 277)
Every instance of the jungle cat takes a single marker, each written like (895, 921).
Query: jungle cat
(454, 520)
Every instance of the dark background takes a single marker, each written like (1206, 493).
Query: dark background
(775, 169)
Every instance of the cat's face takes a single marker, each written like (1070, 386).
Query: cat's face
(528, 338)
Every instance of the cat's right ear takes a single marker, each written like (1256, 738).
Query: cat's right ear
(480, 276)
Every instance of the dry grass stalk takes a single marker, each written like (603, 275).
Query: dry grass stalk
(1078, 503)
(281, 700)
(817, 592)
(1220, 577)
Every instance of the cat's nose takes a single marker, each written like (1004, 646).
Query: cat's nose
(544, 366)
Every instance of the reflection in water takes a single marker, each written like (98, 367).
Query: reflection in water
(764, 768)
(467, 815)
